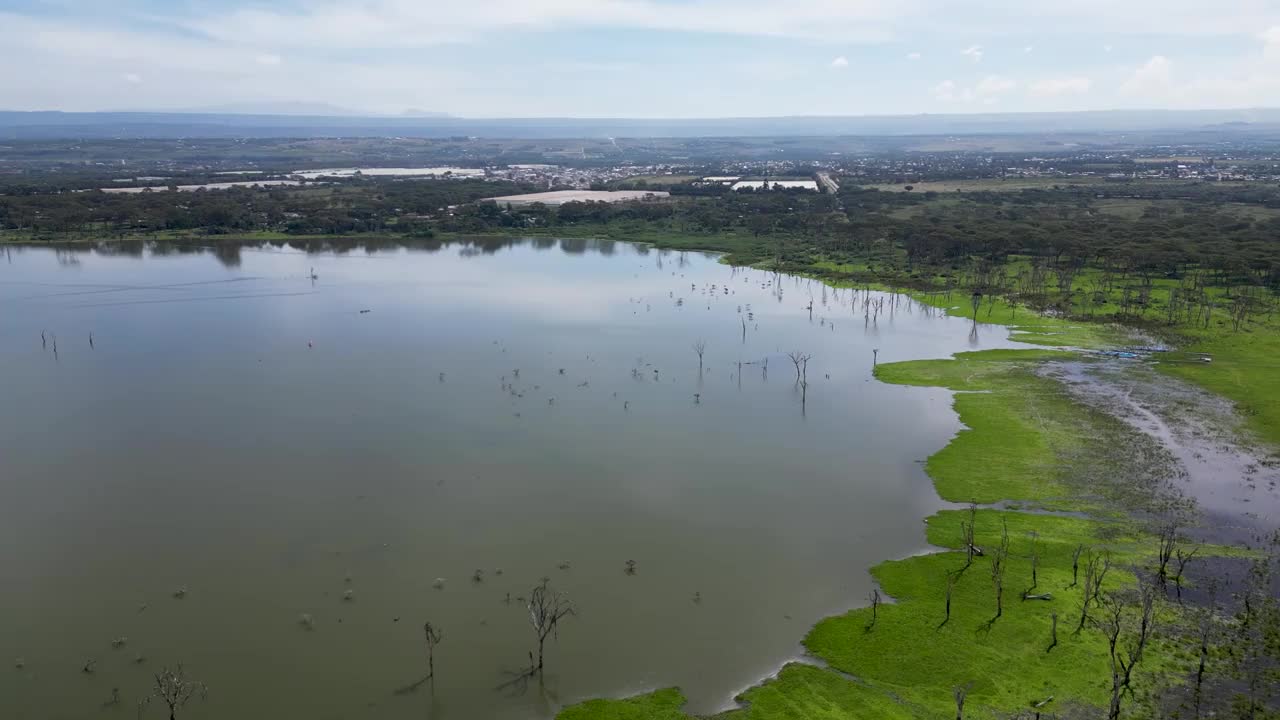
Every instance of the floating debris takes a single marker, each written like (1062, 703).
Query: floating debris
(306, 621)
(564, 565)
(438, 584)
(477, 576)
(119, 642)
(180, 592)
(349, 595)
(21, 663)
(631, 567)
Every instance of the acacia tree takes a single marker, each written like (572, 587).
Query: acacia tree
(174, 689)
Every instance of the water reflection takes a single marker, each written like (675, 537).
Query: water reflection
(272, 426)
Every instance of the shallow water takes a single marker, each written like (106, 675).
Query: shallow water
(247, 432)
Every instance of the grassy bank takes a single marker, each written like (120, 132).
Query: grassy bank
(1025, 443)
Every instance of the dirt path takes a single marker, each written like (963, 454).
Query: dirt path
(1236, 487)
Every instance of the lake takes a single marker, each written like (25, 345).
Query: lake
(262, 429)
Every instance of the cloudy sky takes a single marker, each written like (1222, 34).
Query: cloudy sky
(641, 58)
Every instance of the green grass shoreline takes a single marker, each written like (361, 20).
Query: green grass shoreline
(1023, 443)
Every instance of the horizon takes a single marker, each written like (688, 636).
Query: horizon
(418, 115)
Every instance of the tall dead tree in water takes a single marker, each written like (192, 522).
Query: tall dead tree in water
(174, 689)
(700, 347)
(431, 637)
(801, 361)
(547, 607)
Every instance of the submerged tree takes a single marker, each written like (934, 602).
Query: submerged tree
(700, 347)
(547, 607)
(174, 689)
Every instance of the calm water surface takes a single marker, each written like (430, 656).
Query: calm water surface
(246, 432)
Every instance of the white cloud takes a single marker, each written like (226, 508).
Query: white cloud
(407, 23)
(1028, 49)
(993, 85)
(987, 91)
(913, 56)
(1154, 79)
(1055, 87)
(268, 59)
(973, 52)
(132, 78)
(1271, 42)
(840, 62)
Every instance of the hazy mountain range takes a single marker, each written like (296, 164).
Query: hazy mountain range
(308, 120)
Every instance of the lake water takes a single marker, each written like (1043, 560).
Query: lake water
(248, 433)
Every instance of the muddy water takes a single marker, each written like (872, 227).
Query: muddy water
(1236, 488)
(266, 441)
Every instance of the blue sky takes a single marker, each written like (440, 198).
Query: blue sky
(642, 58)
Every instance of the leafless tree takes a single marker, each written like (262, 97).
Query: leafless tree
(999, 563)
(967, 531)
(801, 361)
(1125, 656)
(547, 607)
(1075, 564)
(174, 689)
(874, 597)
(952, 577)
(431, 636)
(1168, 536)
(700, 347)
(1035, 562)
(960, 692)
(1182, 557)
(1053, 631)
(1095, 568)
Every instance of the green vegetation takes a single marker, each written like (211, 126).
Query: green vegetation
(660, 705)
(1028, 443)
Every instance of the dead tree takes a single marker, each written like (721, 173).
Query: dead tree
(1075, 564)
(547, 607)
(174, 689)
(801, 361)
(959, 693)
(1125, 656)
(1168, 542)
(1035, 563)
(700, 347)
(999, 562)
(1090, 588)
(952, 577)
(1053, 632)
(874, 597)
(431, 636)
(967, 530)
(1183, 557)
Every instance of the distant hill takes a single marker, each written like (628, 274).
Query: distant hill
(51, 125)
